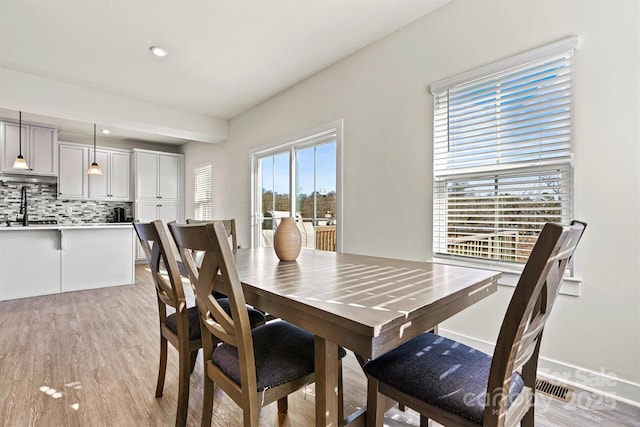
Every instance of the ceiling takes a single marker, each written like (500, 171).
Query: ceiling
(224, 56)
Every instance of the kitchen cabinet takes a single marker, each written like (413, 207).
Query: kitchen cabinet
(115, 182)
(30, 263)
(158, 176)
(72, 179)
(150, 211)
(42, 260)
(39, 148)
(74, 183)
(89, 254)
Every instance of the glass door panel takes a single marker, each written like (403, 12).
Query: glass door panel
(275, 200)
(316, 208)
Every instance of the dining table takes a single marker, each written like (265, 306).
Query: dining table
(366, 304)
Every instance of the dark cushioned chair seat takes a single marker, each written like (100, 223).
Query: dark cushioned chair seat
(194, 323)
(255, 318)
(441, 372)
(283, 352)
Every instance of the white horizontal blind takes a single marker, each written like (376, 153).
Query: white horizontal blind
(203, 205)
(502, 156)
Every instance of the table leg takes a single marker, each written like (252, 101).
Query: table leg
(326, 361)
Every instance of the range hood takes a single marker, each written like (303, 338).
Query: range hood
(28, 179)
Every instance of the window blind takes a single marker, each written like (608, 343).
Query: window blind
(202, 191)
(502, 154)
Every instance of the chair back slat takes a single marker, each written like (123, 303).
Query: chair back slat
(155, 241)
(229, 228)
(206, 281)
(529, 340)
(519, 339)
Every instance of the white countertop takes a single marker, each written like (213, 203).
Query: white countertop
(31, 227)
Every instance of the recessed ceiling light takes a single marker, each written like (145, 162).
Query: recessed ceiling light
(105, 131)
(158, 51)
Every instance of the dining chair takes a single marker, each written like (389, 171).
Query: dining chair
(254, 367)
(182, 328)
(455, 384)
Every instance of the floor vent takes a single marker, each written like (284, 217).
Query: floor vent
(555, 390)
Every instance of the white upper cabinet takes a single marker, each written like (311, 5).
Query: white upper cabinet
(72, 180)
(114, 183)
(158, 176)
(146, 175)
(120, 167)
(169, 177)
(39, 148)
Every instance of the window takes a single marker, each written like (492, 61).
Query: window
(203, 207)
(299, 178)
(503, 154)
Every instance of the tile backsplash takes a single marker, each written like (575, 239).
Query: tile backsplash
(43, 204)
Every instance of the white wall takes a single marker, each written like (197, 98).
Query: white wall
(49, 97)
(381, 92)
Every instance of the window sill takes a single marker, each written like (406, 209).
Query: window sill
(570, 285)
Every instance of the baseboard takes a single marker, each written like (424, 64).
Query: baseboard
(603, 383)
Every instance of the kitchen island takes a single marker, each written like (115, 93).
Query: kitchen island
(52, 258)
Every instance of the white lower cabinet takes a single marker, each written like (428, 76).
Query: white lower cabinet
(150, 211)
(42, 261)
(97, 258)
(30, 263)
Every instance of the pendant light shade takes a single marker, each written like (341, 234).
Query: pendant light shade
(94, 168)
(20, 162)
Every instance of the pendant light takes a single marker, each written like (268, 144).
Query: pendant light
(94, 168)
(20, 162)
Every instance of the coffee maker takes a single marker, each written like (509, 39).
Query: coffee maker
(119, 214)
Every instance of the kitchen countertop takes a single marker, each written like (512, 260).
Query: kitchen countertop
(18, 227)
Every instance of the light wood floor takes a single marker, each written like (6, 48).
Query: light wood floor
(89, 358)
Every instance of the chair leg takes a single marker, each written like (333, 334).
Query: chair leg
(283, 405)
(529, 375)
(193, 356)
(162, 368)
(183, 388)
(207, 400)
(340, 395)
(529, 418)
(251, 412)
(424, 421)
(375, 404)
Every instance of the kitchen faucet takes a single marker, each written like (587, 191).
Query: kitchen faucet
(23, 207)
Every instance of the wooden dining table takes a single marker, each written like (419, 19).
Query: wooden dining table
(367, 304)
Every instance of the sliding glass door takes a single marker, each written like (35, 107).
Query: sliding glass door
(299, 179)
